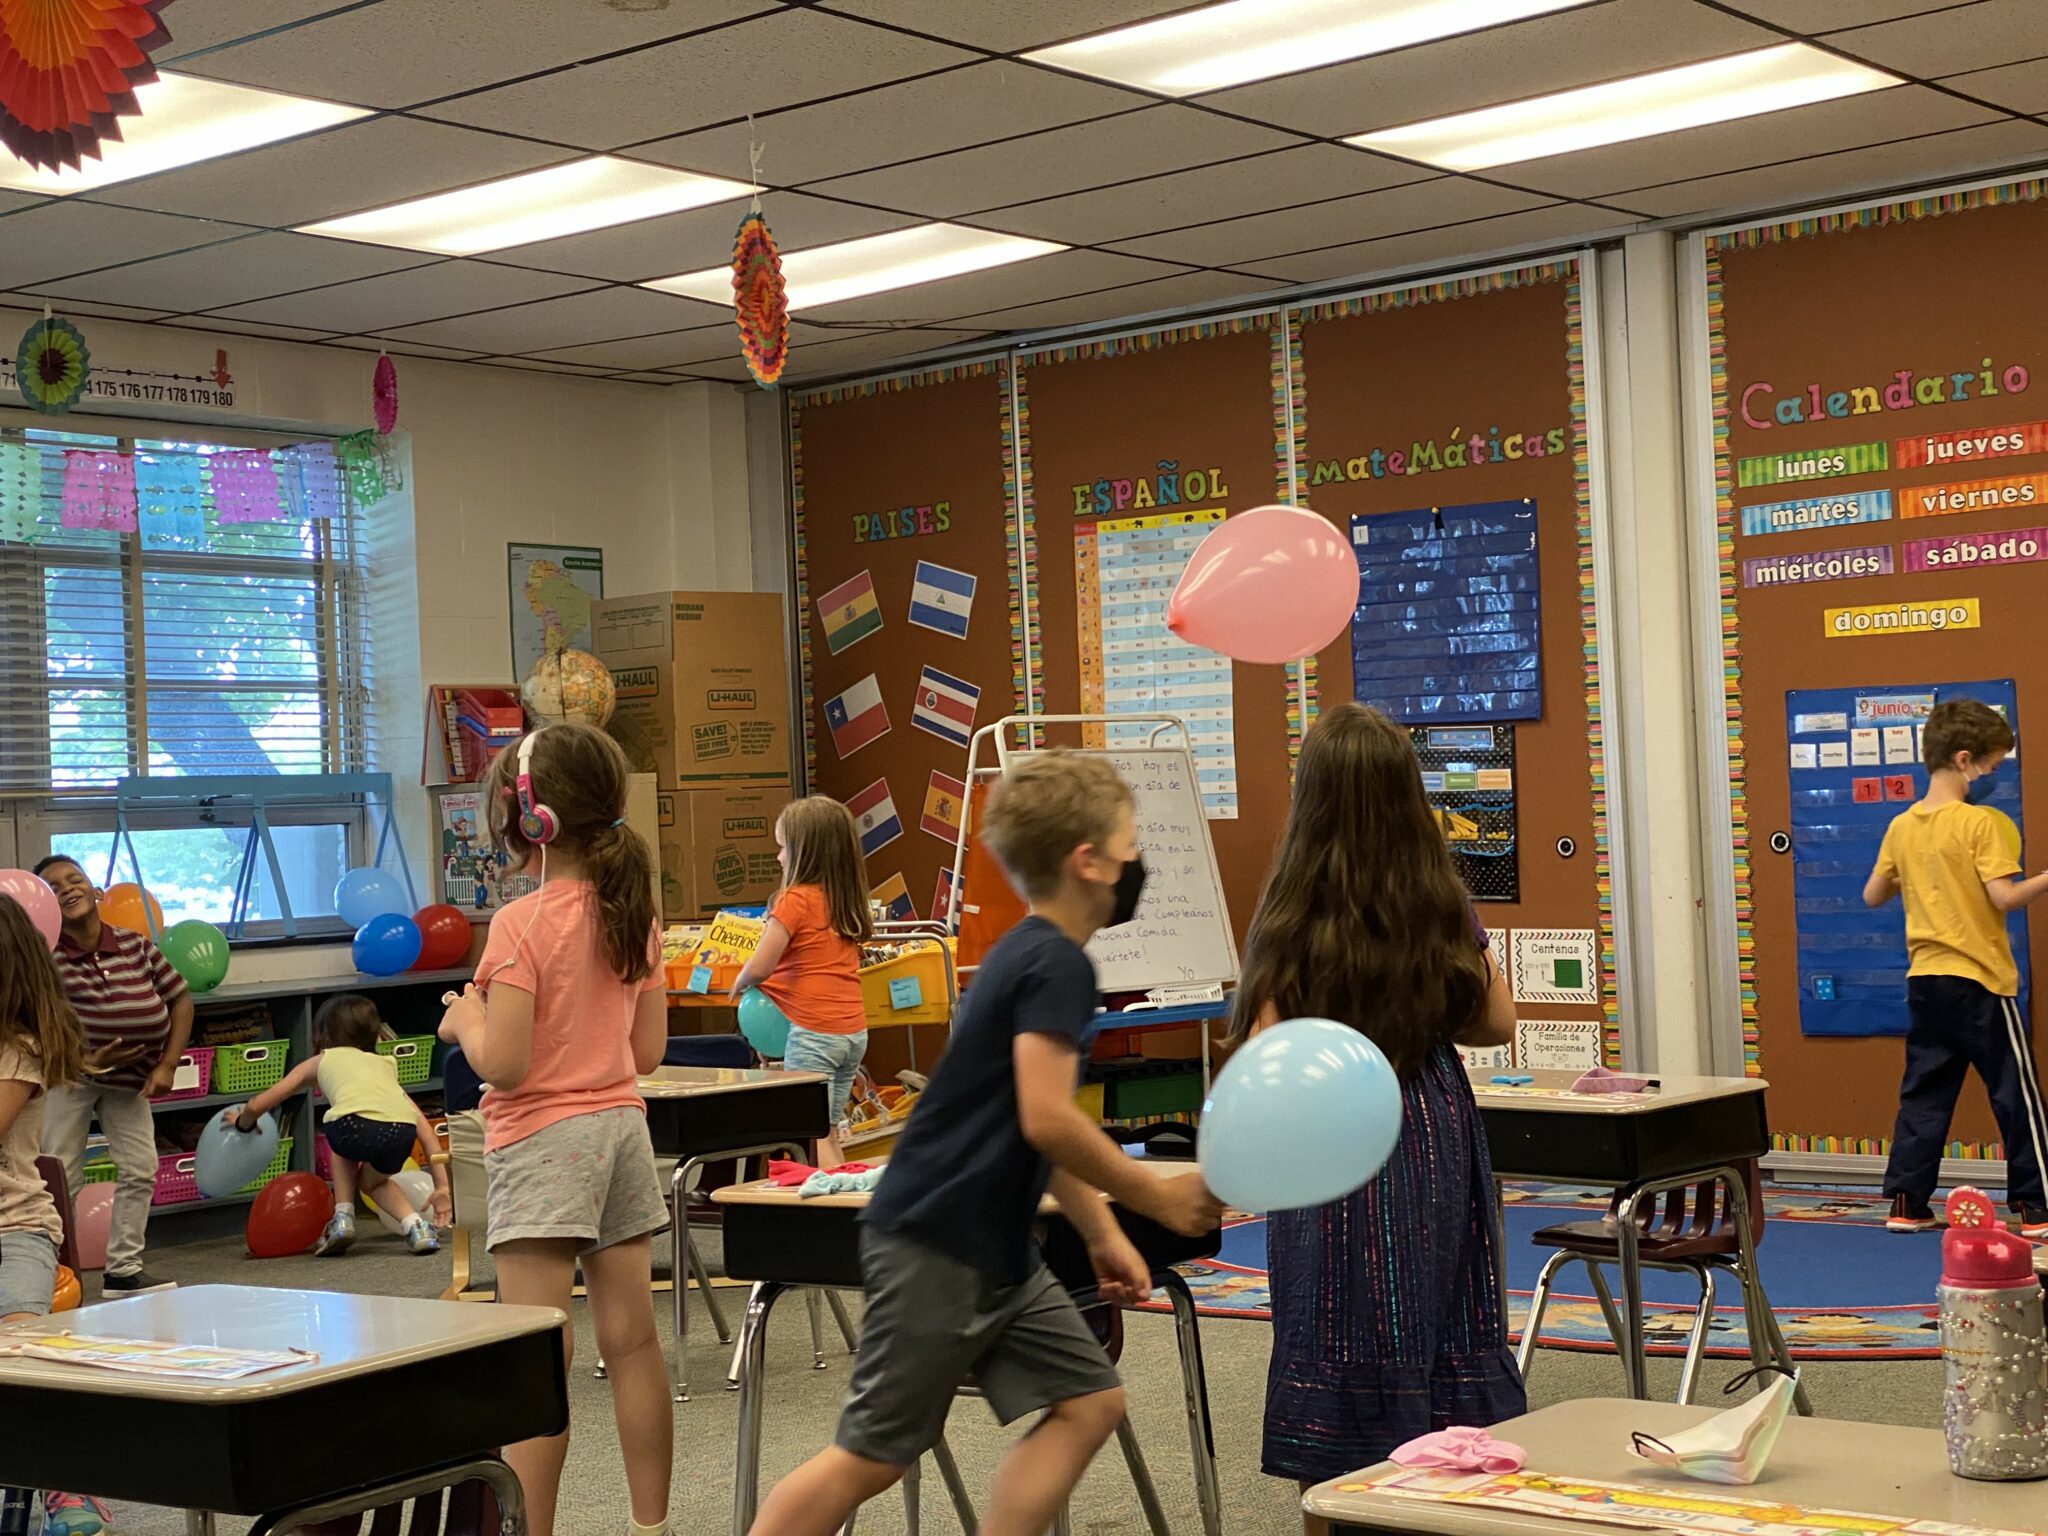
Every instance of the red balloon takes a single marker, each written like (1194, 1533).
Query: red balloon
(444, 937)
(288, 1215)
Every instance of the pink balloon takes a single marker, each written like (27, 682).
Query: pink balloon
(95, 1215)
(37, 900)
(1267, 585)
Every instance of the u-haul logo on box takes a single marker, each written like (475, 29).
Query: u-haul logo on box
(634, 682)
(746, 826)
(729, 698)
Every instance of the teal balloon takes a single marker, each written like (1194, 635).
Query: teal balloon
(764, 1024)
(1302, 1115)
(227, 1160)
(362, 894)
(386, 944)
(198, 952)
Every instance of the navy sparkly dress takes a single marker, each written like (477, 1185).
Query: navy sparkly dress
(1386, 1304)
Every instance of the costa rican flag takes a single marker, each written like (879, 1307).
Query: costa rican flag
(857, 716)
(874, 816)
(942, 598)
(944, 706)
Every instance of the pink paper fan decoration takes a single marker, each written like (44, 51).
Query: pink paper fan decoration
(384, 395)
(99, 490)
(245, 488)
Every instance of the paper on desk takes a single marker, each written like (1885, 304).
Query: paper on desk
(152, 1357)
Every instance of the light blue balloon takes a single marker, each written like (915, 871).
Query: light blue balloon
(227, 1160)
(362, 894)
(1302, 1115)
(764, 1024)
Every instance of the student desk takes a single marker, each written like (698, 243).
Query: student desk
(781, 1241)
(1868, 1469)
(301, 1444)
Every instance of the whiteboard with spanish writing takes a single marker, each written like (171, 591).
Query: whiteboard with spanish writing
(1181, 935)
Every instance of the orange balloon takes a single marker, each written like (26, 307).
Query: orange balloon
(66, 1295)
(129, 906)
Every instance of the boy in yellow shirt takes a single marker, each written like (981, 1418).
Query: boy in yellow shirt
(1953, 862)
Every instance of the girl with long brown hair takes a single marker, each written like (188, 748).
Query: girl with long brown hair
(1387, 1319)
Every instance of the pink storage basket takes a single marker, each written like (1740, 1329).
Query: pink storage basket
(195, 1074)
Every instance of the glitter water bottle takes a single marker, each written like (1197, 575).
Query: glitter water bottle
(1995, 1358)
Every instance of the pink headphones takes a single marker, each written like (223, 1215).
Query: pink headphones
(537, 823)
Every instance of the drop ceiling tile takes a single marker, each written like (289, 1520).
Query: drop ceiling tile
(1026, 282)
(40, 245)
(1311, 173)
(1812, 17)
(254, 267)
(1060, 161)
(1829, 179)
(776, 60)
(664, 349)
(197, 27)
(406, 349)
(597, 316)
(700, 238)
(1478, 69)
(1009, 28)
(409, 297)
(80, 310)
(1949, 41)
(1560, 223)
(1899, 113)
(213, 323)
(1161, 294)
(1249, 241)
(344, 170)
(666, 380)
(530, 365)
(2021, 87)
(11, 201)
(876, 351)
(404, 52)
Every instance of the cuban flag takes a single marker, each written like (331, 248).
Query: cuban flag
(874, 816)
(945, 897)
(857, 716)
(944, 706)
(942, 598)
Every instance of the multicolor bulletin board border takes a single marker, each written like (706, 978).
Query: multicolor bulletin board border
(1841, 221)
(834, 394)
(1881, 1146)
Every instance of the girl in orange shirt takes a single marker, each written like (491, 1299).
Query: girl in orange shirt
(809, 959)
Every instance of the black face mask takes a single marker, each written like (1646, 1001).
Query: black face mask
(1130, 885)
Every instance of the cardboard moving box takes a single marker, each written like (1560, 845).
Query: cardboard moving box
(703, 687)
(718, 848)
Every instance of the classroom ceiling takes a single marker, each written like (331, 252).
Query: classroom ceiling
(876, 115)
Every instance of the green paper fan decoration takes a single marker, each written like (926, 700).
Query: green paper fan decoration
(760, 300)
(52, 365)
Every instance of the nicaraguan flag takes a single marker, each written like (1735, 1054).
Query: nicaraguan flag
(849, 612)
(942, 599)
(944, 706)
(874, 816)
(857, 716)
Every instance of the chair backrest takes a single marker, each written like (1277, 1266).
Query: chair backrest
(60, 1191)
(707, 1051)
(1700, 1211)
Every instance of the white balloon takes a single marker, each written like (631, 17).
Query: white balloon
(418, 1185)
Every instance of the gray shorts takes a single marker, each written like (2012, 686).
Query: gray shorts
(589, 1177)
(28, 1273)
(931, 1323)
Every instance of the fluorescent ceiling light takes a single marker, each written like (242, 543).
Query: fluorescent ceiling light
(183, 121)
(1717, 91)
(540, 205)
(1241, 40)
(826, 274)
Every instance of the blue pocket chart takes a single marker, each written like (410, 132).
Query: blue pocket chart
(1449, 614)
(1855, 763)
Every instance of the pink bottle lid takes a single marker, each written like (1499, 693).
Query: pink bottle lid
(1977, 1253)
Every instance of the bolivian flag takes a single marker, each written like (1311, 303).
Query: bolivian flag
(849, 612)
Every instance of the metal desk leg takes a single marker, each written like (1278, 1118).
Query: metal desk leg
(1766, 1339)
(1141, 1478)
(956, 1486)
(913, 1486)
(846, 1328)
(815, 1305)
(198, 1522)
(685, 1262)
(1195, 1388)
(1627, 1235)
(753, 1345)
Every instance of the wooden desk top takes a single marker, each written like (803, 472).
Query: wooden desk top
(352, 1335)
(762, 1193)
(1550, 1093)
(1870, 1469)
(697, 1082)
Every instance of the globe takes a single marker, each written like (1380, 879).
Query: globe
(569, 685)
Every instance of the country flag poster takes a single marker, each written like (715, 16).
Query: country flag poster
(875, 818)
(857, 716)
(942, 598)
(849, 612)
(944, 706)
(944, 897)
(942, 799)
(893, 896)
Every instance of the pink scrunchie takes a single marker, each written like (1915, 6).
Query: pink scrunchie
(1461, 1449)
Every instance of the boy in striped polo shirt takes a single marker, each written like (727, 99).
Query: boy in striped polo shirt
(137, 1016)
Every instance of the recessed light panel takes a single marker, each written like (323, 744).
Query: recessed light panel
(851, 269)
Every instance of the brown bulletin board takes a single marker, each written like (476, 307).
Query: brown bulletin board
(1808, 310)
(1491, 356)
(1206, 400)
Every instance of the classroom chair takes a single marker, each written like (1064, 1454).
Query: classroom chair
(52, 1170)
(469, 1192)
(1704, 1225)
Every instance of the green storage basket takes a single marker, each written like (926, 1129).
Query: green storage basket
(414, 1055)
(281, 1162)
(250, 1068)
(102, 1172)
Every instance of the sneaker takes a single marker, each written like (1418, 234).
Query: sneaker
(1909, 1217)
(75, 1514)
(419, 1237)
(133, 1283)
(337, 1236)
(2033, 1222)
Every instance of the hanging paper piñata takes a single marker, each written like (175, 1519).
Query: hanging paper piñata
(52, 364)
(245, 488)
(760, 300)
(68, 72)
(384, 394)
(99, 490)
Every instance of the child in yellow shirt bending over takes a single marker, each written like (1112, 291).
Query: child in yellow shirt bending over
(1951, 856)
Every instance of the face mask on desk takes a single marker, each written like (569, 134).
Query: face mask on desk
(1730, 1447)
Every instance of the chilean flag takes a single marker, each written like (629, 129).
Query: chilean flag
(874, 815)
(857, 716)
(944, 706)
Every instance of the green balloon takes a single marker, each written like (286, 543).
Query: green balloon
(198, 952)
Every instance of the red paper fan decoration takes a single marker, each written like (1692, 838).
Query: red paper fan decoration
(760, 299)
(383, 392)
(68, 71)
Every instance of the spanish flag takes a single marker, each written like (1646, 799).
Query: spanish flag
(849, 612)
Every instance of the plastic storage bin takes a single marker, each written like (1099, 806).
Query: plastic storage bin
(414, 1055)
(910, 989)
(195, 1075)
(177, 1175)
(250, 1068)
